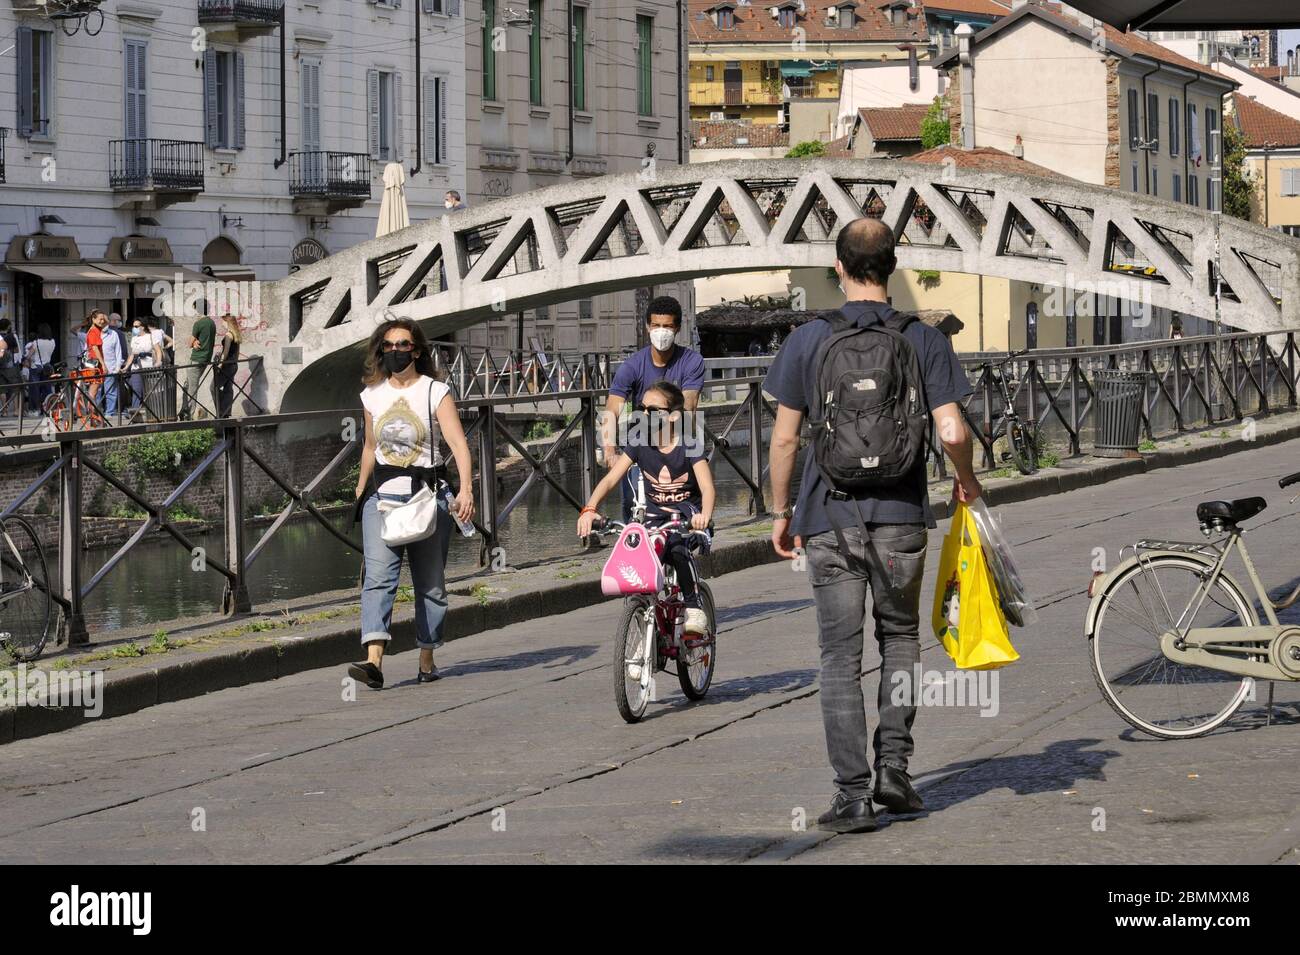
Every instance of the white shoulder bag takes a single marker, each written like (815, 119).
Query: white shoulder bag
(414, 520)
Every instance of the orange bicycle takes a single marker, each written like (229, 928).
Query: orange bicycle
(84, 413)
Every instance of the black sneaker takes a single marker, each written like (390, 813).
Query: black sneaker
(367, 673)
(422, 677)
(848, 815)
(894, 791)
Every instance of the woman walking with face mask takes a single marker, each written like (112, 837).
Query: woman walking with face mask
(408, 412)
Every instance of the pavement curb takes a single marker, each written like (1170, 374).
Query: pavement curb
(334, 643)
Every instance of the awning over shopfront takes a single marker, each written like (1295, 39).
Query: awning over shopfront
(80, 281)
(146, 275)
(799, 69)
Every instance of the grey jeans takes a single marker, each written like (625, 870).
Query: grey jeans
(893, 567)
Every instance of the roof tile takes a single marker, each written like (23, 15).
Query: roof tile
(754, 24)
(1263, 125)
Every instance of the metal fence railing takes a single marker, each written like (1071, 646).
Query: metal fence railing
(1192, 383)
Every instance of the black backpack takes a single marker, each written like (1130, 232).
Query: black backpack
(869, 417)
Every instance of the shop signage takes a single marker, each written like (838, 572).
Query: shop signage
(308, 251)
(43, 248)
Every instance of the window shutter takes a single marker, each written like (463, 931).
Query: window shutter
(239, 101)
(397, 117)
(1173, 127)
(372, 109)
(1288, 182)
(431, 108)
(24, 81)
(442, 119)
(210, 98)
(1132, 119)
(426, 6)
(310, 106)
(453, 8)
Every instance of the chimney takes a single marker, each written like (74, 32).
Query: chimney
(964, 34)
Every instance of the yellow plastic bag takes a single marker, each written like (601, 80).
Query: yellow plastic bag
(967, 616)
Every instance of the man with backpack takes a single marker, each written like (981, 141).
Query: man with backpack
(869, 381)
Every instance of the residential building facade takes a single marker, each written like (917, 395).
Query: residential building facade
(156, 145)
(529, 126)
(750, 62)
(1272, 162)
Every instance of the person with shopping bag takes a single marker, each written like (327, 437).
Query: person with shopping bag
(968, 614)
(863, 508)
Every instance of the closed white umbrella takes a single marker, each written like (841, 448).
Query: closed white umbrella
(392, 207)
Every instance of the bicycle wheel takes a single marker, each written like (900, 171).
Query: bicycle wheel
(1155, 694)
(695, 665)
(634, 658)
(25, 602)
(1021, 444)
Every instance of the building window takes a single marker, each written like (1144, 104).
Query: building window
(584, 310)
(1134, 137)
(644, 66)
(535, 52)
(223, 89)
(787, 17)
(580, 58)
(489, 54)
(1155, 180)
(1177, 194)
(1211, 125)
(708, 74)
(35, 82)
(1193, 135)
(1291, 230)
(435, 119)
(136, 90)
(309, 100)
(1174, 112)
(1291, 182)
(1193, 190)
(1153, 121)
(383, 102)
(1135, 178)
(846, 18)
(726, 18)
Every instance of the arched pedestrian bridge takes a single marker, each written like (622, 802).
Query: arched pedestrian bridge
(682, 222)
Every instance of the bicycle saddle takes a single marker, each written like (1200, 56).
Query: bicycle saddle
(1230, 512)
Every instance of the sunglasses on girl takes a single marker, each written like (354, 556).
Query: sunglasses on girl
(403, 345)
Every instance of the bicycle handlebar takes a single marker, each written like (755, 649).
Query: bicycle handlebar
(600, 523)
(1289, 480)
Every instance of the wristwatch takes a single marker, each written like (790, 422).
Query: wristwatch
(784, 514)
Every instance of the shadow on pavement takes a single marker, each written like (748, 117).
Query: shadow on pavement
(757, 609)
(1056, 768)
(549, 658)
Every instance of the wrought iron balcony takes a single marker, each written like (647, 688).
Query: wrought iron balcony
(164, 170)
(329, 182)
(240, 19)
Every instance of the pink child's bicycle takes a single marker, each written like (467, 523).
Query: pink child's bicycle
(650, 631)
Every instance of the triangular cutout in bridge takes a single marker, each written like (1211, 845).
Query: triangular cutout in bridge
(520, 254)
(1020, 238)
(619, 237)
(1123, 256)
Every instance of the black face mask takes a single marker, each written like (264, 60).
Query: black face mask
(395, 362)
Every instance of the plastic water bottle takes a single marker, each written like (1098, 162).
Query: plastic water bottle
(444, 491)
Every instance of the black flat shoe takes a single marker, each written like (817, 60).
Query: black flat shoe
(894, 791)
(422, 677)
(848, 815)
(367, 673)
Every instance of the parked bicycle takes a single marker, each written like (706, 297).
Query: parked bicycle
(1020, 434)
(25, 603)
(650, 632)
(1176, 642)
(83, 412)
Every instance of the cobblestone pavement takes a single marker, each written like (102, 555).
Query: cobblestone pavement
(519, 754)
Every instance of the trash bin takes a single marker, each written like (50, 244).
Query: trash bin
(1119, 405)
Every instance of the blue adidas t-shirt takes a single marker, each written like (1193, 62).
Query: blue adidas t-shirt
(685, 369)
(792, 381)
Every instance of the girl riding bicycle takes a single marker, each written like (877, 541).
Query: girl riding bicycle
(678, 485)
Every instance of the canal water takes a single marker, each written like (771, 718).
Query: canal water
(155, 582)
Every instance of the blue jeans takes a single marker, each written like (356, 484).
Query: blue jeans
(111, 384)
(428, 561)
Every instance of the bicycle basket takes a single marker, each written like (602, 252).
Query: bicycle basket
(632, 567)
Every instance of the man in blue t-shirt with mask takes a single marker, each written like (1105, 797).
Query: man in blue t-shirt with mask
(884, 537)
(662, 360)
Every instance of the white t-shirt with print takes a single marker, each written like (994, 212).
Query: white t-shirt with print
(406, 426)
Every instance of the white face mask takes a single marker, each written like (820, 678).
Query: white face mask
(662, 338)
